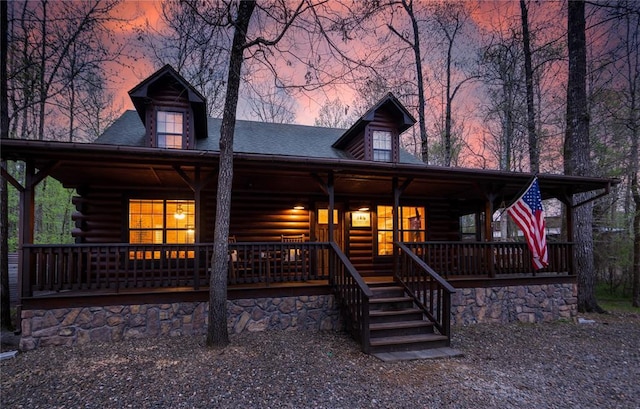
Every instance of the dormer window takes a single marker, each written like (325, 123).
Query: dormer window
(382, 146)
(170, 130)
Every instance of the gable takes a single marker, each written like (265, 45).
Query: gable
(388, 118)
(166, 89)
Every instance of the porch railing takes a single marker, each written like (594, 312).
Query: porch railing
(114, 267)
(429, 290)
(352, 294)
(489, 259)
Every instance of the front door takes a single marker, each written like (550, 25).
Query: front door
(322, 225)
(322, 233)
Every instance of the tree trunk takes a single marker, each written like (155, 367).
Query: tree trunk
(576, 156)
(217, 333)
(41, 75)
(424, 149)
(447, 116)
(5, 304)
(636, 242)
(534, 154)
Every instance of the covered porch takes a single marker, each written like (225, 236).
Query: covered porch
(65, 270)
(355, 261)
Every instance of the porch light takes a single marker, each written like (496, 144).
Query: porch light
(179, 214)
(363, 208)
(298, 206)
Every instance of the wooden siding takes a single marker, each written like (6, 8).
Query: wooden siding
(98, 217)
(101, 217)
(357, 148)
(443, 223)
(267, 218)
(360, 250)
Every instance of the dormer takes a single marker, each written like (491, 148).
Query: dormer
(173, 112)
(376, 135)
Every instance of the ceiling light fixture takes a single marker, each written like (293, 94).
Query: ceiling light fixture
(179, 214)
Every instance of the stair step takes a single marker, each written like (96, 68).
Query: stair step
(390, 303)
(407, 342)
(400, 325)
(389, 300)
(397, 328)
(406, 314)
(387, 291)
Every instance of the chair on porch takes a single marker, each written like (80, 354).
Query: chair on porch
(239, 270)
(293, 258)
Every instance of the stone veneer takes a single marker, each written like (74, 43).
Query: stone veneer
(533, 303)
(77, 326)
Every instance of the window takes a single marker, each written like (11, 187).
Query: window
(468, 227)
(323, 216)
(382, 146)
(169, 130)
(411, 222)
(161, 222)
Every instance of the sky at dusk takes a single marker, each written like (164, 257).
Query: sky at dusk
(487, 16)
(489, 24)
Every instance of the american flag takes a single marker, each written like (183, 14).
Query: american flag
(528, 214)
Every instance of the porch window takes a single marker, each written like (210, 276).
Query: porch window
(161, 222)
(411, 222)
(382, 146)
(469, 227)
(169, 132)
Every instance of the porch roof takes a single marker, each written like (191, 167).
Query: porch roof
(77, 165)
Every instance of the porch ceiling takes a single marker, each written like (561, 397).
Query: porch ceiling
(78, 165)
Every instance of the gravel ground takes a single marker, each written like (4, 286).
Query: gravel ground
(557, 365)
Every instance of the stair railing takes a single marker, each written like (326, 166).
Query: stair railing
(352, 294)
(429, 290)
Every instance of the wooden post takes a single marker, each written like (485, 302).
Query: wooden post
(569, 209)
(330, 191)
(396, 233)
(488, 233)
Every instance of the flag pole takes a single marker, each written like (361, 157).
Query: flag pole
(519, 195)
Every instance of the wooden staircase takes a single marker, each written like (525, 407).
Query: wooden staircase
(397, 324)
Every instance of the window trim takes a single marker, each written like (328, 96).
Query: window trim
(388, 152)
(369, 143)
(188, 230)
(157, 133)
(422, 230)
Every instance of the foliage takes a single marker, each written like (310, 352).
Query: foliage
(615, 300)
(53, 222)
(334, 114)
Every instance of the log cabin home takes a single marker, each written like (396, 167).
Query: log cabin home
(330, 229)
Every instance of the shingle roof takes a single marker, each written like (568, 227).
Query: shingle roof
(250, 137)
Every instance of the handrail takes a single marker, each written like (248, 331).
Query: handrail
(49, 269)
(429, 290)
(113, 267)
(352, 293)
(490, 259)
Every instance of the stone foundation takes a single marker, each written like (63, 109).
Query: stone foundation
(78, 326)
(534, 303)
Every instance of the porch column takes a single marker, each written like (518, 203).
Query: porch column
(567, 201)
(331, 193)
(396, 236)
(197, 197)
(26, 224)
(488, 233)
(488, 218)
